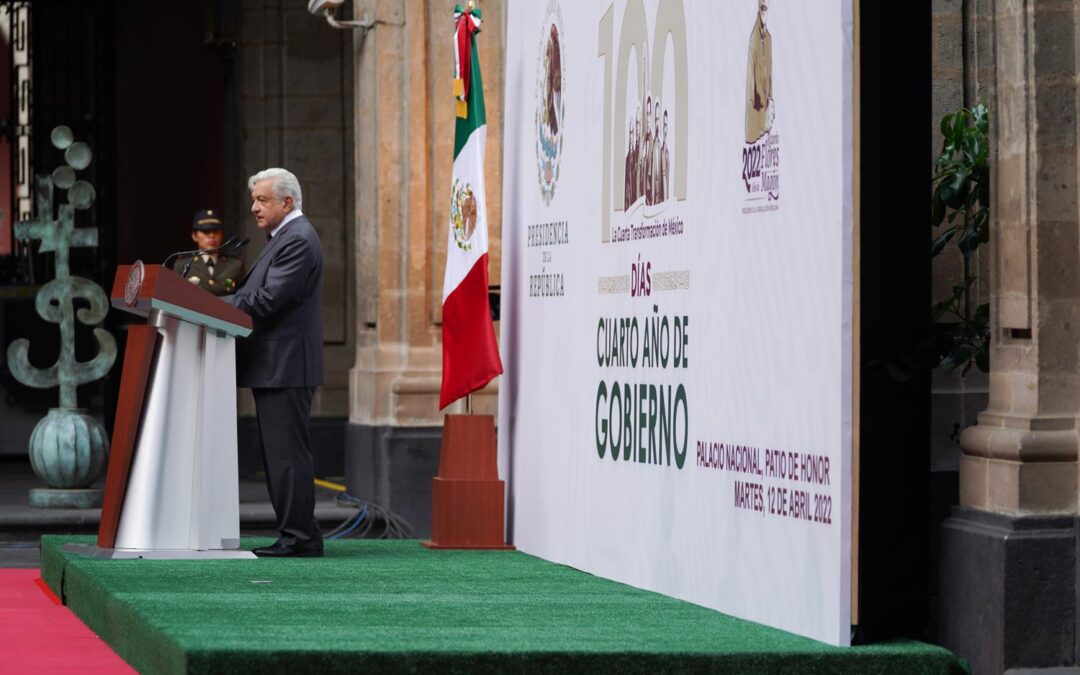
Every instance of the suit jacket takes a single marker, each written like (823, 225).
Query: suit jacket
(228, 270)
(283, 295)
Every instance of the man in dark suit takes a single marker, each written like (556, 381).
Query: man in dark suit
(215, 272)
(281, 361)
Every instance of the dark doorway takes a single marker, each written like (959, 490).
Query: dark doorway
(170, 135)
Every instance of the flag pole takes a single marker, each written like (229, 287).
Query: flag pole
(467, 496)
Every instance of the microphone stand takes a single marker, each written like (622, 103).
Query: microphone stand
(232, 244)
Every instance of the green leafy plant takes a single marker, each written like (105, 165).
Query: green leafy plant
(961, 203)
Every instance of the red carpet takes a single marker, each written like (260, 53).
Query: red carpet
(42, 636)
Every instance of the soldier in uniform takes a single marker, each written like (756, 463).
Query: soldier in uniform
(218, 273)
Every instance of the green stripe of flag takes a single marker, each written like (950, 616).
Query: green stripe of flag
(477, 115)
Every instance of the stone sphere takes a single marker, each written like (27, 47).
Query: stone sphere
(68, 448)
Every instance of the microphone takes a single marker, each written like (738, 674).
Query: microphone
(240, 242)
(233, 243)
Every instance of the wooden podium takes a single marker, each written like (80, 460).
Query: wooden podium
(467, 495)
(172, 484)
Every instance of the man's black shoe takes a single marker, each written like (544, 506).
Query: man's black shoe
(279, 550)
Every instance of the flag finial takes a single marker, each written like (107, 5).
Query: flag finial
(466, 25)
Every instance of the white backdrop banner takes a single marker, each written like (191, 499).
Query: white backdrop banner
(677, 299)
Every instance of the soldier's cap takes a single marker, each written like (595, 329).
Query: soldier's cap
(207, 219)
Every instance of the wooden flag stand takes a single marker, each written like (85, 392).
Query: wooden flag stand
(467, 496)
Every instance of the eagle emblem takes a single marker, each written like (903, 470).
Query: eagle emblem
(462, 214)
(134, 284)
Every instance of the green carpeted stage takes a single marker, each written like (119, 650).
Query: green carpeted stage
(397, 607)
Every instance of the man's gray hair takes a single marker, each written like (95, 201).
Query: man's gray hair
(282, 182)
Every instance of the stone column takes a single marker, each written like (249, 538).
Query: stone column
(1008, 559)
(403, 156)
(1021, 456)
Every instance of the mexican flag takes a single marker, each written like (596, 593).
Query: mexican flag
(470, 352)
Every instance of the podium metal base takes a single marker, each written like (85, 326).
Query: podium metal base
(132, 554)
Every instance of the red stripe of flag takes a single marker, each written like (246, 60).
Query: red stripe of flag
(470, 352)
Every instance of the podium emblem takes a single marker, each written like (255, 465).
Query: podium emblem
(134, 284)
